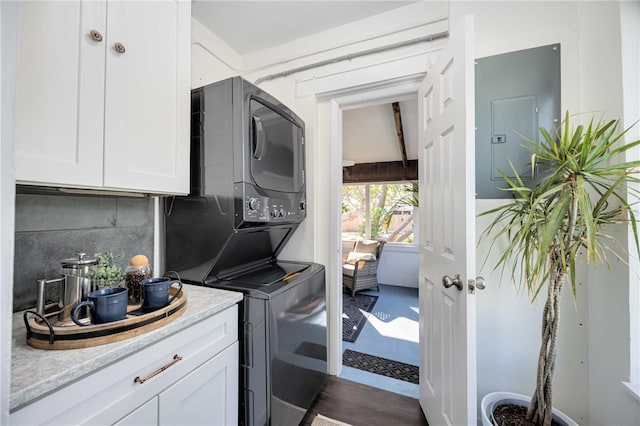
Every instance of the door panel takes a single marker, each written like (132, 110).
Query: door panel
(147, 96)
(206, 396)
(59, 125)
(426, 312)
(447, 248)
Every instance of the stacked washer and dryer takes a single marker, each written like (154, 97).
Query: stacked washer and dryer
(247, 198)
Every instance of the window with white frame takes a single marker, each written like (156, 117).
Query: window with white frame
(381, 211)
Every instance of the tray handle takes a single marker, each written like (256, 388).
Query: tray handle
(52, 335)
(166, 274)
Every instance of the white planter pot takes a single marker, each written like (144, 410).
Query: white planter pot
(493, 399)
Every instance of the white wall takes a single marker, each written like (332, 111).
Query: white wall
(8, 20)
(594, 345)
(630, 36)
(609, 316)
(399, 265)
(211, 59)
(507, 324)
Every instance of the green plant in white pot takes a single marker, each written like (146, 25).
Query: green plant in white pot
(582, 192)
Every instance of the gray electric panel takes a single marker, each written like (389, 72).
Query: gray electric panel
(516, 94)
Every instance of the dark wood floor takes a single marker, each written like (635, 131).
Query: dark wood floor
(361, 405)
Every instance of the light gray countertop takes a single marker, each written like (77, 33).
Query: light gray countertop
(37, 372)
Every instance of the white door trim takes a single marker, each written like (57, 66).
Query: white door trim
(9, 15)
(384, 91)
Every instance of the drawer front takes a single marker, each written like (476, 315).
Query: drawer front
(106, 395)
(145, 415)
(206, 396)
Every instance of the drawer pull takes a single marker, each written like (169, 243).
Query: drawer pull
(176, 358)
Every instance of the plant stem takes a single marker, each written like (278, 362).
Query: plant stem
(540, 409)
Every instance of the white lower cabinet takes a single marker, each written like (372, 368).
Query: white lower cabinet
(188, 378)
(206, 396)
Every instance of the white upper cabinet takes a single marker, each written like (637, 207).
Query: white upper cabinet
(102, 96)
(60, 93)
(147, 96)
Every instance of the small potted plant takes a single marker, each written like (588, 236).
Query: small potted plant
(582, 192)
(108, 273)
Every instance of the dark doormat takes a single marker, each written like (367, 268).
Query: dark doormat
(355, 310)
(382, 366)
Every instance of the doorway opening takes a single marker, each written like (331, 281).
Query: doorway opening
(379, 256)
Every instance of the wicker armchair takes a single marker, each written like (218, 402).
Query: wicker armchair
(360, 266)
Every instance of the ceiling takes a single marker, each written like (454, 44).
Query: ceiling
(249, 26)
(369, 133)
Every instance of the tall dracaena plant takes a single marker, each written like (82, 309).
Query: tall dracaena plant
(583, 189)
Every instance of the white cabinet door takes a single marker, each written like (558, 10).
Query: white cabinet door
(60, 93)
(145, 415)
(90, 116)
(147, 96)
(207, 396)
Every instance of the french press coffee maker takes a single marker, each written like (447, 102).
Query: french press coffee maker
(73, 287)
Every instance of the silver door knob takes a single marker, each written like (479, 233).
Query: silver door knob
(478, 283)
(447, 281)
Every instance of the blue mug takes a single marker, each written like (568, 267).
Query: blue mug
(105, 305)
(154, 293)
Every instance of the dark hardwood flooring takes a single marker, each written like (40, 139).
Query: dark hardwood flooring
(362, 405)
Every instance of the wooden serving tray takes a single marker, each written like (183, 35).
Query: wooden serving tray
(42, 335)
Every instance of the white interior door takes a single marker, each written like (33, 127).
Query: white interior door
(447, 241)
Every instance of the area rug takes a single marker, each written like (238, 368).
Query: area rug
(355, 311)
(382, 366)
(321, 420)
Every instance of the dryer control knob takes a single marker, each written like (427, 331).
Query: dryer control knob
(253, 204)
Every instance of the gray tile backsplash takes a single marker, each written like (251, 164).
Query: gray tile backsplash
(50, 228)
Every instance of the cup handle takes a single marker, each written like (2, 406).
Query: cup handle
(74, 311)
(178, 292)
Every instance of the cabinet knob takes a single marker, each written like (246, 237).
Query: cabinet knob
(119, 47)
(95, 35)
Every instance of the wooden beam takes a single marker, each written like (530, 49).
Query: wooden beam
(389, 171)
(398, 120)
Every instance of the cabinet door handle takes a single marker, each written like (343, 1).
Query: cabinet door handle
(95, 35)
(119, 47)
(176, 358)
